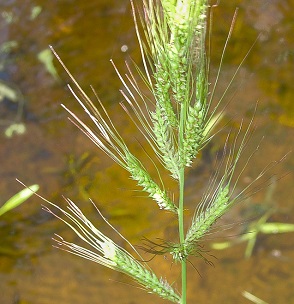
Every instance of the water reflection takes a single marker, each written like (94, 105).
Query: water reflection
(54, 154)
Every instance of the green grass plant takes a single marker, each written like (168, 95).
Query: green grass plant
(177, 119)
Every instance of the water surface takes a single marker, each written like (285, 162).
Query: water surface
(54, 154)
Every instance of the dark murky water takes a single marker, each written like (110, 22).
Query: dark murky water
(54, 154)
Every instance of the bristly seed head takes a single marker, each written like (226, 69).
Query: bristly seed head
(108, 254)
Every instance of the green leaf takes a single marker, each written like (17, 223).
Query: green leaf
(250, 245)
(18, 198)
(36, 10)
(221, 245)
(15, 128)
(46, 57)
(272, 228)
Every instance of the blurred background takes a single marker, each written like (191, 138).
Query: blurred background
(38, 145)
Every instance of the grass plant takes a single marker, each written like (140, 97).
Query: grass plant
(177, 119)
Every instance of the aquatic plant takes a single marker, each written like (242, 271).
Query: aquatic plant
(177, 120)
(261, 225)
(18, 198)
(13, 202)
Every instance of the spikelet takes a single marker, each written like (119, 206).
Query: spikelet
(108, 254)
(175, 35)
(162, 95)
(146, 278)
(109, 140)
(166, 143)
(140, 174)
(220, 195)
(203, 221)
(186, 21)
(194, 134)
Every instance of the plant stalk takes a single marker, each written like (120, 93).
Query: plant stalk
(181, 203)
(182, 233)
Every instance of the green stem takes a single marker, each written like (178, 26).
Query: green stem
(184, 282)
(181, 201)
(182, 232)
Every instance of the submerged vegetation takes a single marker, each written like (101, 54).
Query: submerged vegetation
(178, 118)
(18, 199)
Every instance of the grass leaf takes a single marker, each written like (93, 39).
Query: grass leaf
(18, 198)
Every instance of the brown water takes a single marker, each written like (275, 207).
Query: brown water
(54, 154)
